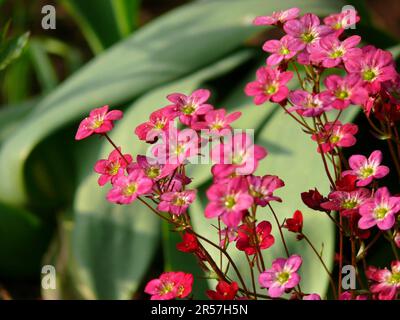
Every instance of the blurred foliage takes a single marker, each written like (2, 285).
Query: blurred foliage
(48, 189)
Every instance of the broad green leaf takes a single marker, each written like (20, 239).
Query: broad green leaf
(23, 240)
(11, 49)
(45, 71)
(113, 245)
(96, 22)
(170, 47)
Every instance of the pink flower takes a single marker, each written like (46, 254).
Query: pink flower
(152, 168)
(341, 21)
(177, 147)
(270, 85)
(177, 183)
(277, 17)
(247, 238)
(216, 122)
(330, 51)
(283, 49)
(307, 29)
(127, 188)
(281, 276)
(237, 156)
(158, 123)
(367, 169)
(345, 91)
(373, 67)
(347, 202)
(308, 104)
(191, 106)
(385, 283)
(170, 285)
(176, 202)
(112, 167)
(228, 201)
(312, 296)
(347, 295)
(335, 135)
(380, 210)
(262, 188)
(99, 121)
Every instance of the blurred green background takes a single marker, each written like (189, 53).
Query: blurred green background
(130, 54)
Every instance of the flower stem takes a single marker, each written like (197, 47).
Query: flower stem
(323, 264)
(115, 147)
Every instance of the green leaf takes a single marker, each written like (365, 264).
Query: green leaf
(12, 49)
(113, 245)
(103, 22)
(45, 71)
(126, 14)
(23, 241)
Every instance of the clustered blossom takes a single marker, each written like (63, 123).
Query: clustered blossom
(281, 276)
(170, 285)
(338, 75)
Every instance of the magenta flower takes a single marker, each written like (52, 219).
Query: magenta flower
(281, 276)
(367, 169)
(277, 17)
(283, 49)
(270, 85)
(99, 121)
(385, 283)
(308, 104)
(177, 147)
(262, 188)
(152, 168)
(112, 167)
(127, 188)
(176, 202)
(380, 210)
(345, 91)
(335, 134)
(373, 67)
(158, 123)
(170, 285)
(347, 295)
(307, 29)
(191, 106)
(341, 21)
(246, 238)
(237, 156)
(312, 296)
(347, 203)
(217, 122)
(330, 51)
(228, 201)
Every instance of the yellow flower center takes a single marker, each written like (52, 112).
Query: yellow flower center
(230, 202)
(129, 189)
(188, 109)
(113, 170)
(283, 277)
(369, 75)
(380, 213)
(153, 172)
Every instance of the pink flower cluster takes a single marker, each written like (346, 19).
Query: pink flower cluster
(333, 73)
